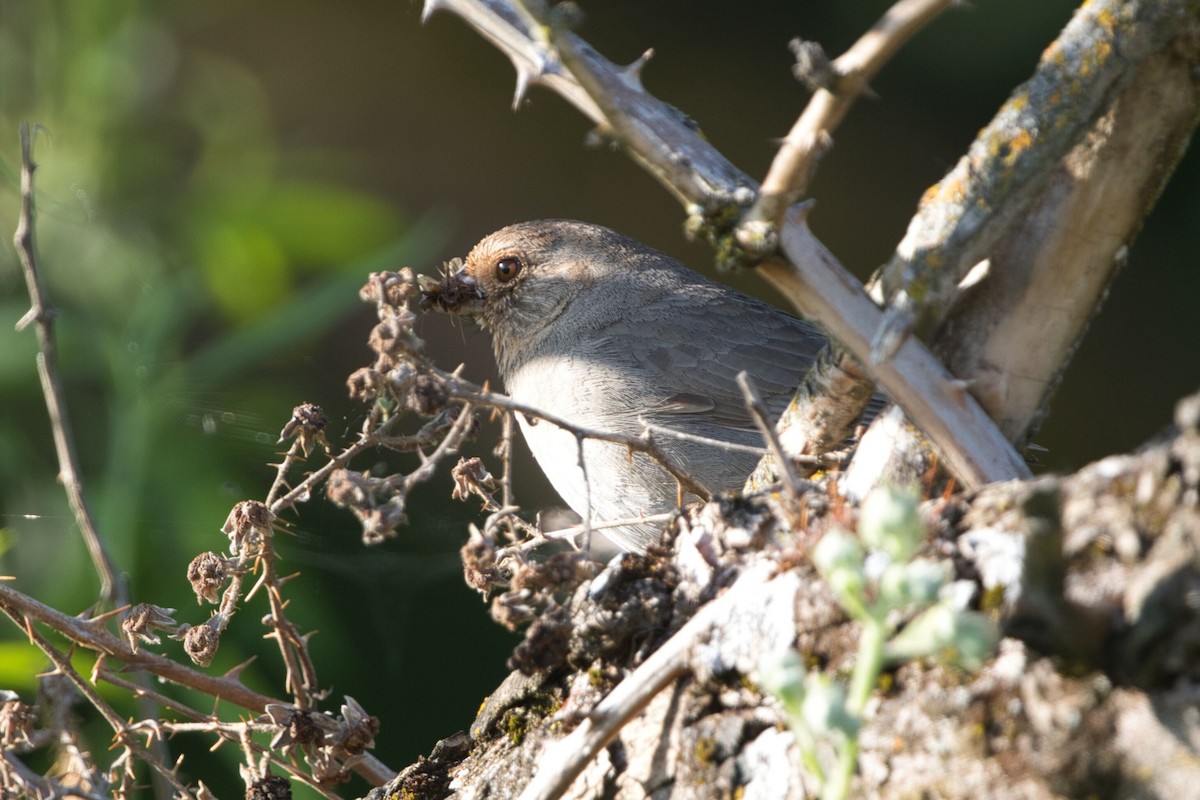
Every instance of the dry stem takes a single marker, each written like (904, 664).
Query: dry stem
(41, 314)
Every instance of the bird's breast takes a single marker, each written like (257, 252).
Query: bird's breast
(595, 396)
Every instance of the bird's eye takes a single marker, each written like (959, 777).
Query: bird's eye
(507, 269)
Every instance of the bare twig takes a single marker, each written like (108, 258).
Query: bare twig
(644, 443)
(113, 589)
(684, 436)
(796, 161)
(182, 709)
(569, 534)
(761, 416)
(41, 314)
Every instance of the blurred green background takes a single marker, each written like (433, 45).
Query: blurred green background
(216, 179)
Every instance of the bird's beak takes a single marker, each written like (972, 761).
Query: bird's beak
(455, 293)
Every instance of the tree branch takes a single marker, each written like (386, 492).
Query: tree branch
(997, 182)
(1015, 331)
(93, 636)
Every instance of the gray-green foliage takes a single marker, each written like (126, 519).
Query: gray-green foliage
(881, 583)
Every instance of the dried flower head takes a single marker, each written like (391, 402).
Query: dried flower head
(207, 574)
(358, 729)
(427, 396)
(389, 291)
(248, 526)
(308, 424)
(365, 384)
(270, 787)
(348, 489)
(480, 569)
(471, 477)
(141, 622)
(201, 643)
(17, 721)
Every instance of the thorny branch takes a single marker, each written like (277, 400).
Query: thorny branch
(121, 731)
(97, 638)
(93, 635)
(332, 744)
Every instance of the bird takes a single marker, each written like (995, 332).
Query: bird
(595, 328)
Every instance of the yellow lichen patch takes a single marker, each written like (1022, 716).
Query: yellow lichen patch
(929, 195)
(706, 750)
(1017, 145)
(1018, 102)
(951, 189)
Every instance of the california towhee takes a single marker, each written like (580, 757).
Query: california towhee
(607, 333)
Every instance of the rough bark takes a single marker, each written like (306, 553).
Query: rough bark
(1093, 692)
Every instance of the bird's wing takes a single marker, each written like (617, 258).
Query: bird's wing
(695, 374)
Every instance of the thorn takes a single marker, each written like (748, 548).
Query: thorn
(107, 615)
(632, 74)
(958, 389)
(524, 79)
(286, 578)
(976, 274)
(430, 7)
(527, 75)
(234, 673)
(803, 209)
